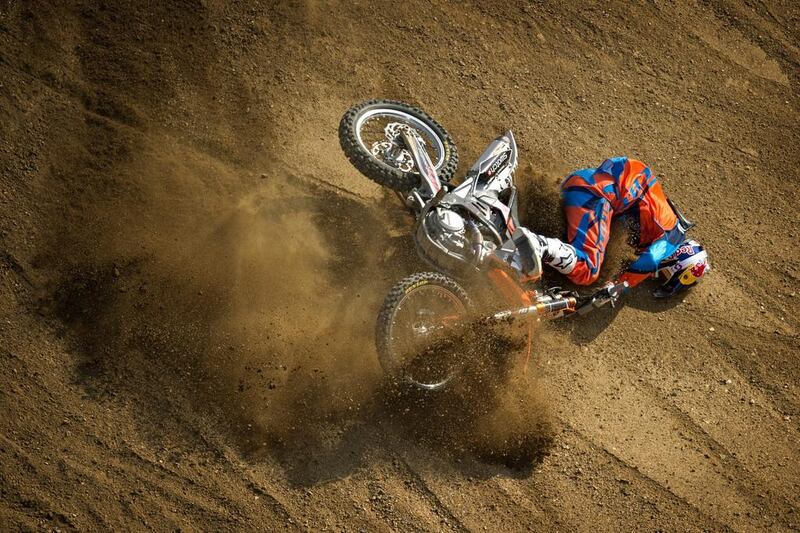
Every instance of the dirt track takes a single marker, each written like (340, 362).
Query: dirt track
(190, 269)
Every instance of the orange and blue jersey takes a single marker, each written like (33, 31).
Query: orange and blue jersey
(619, 186)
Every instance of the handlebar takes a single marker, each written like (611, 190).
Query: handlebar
(605, 296)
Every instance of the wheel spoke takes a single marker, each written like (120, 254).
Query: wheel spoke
(422, 335)
(378, 132)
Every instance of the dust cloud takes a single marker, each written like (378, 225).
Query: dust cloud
(252, 300)
(250, 296)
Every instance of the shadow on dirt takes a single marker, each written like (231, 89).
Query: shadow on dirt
(584, 329)
(507, 433)
(641, 297)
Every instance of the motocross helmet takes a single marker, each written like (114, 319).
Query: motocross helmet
(682, 270)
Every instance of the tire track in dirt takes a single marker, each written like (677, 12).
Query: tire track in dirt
(669, 428)
(653, 483)
(744, 479)
(419, 485)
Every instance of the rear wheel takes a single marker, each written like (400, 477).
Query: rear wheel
(369, 133)
(416, 330)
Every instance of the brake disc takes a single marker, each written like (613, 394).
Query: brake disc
(391, 150)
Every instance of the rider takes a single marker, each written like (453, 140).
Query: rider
(592, 197)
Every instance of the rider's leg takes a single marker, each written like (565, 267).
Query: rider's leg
(588, 225)
(655, 215)
(588, 231)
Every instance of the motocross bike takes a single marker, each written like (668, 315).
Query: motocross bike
(462, 232)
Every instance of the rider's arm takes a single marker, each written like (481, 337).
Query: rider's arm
(633, 278)
(646, 265)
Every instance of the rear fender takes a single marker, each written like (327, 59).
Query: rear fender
(512, 291)
(516, 296)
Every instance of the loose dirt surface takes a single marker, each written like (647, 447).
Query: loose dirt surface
(190, 269)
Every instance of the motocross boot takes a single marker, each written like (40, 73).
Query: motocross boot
(535, 249)
(531, 248)
(559, 255)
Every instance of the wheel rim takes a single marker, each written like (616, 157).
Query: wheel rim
(421, 345)
(370, 132)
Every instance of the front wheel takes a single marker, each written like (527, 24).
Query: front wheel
(369, 134)
(415, 333)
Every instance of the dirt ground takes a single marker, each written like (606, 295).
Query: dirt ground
(190, 269)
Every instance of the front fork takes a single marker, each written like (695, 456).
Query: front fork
(430, 183)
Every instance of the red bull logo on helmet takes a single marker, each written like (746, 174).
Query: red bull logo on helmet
(699, 269)
(692, 274)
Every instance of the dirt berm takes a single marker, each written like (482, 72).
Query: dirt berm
(190, 269)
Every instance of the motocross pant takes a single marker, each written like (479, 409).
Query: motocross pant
(588, 231)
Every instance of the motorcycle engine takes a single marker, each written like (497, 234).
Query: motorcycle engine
(451, 227)
(442, 239)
